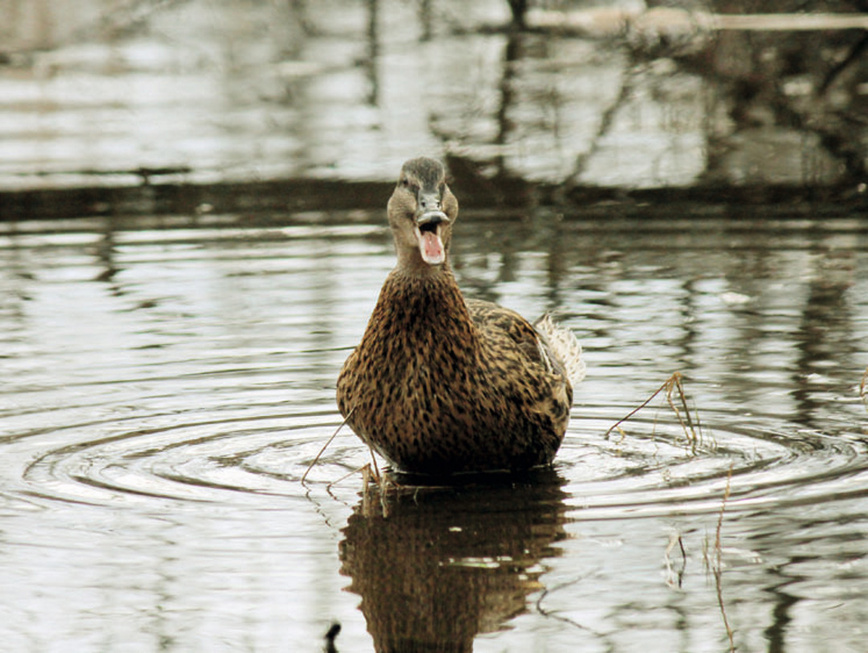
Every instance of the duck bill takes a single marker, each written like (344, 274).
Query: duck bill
(429, 230)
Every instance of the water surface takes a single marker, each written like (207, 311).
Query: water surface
(167, 382)
(192, 92)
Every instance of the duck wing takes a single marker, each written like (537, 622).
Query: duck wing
(501, 325)
(543, 342)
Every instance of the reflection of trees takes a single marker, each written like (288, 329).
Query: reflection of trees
(489, 179)
(297, 88)
(370, 63)
(447, 564)
(796, 87)
(782, 104)
(775, 82)
(776, 631)
(825, 335)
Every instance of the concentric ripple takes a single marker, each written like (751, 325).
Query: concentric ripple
(167, 391)
(182, 391)
(651, 467)
(180, 457)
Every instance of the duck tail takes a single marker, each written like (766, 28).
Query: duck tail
(561, 349)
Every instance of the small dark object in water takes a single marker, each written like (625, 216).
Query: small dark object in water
(330, 636)
(441, 385)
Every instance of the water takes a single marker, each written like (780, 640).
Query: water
(167, 382)
(96, 94)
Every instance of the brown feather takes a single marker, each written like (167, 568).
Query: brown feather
(440, 385)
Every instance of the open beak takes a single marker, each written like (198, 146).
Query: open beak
(429, 225)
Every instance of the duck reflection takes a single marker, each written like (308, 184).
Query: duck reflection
(437, 566)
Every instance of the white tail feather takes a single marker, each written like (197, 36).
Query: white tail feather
(564, 346)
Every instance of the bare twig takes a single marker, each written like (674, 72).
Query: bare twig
(689, 424)
(717, 569)
(324, 447)
(617, 425)
(361, 469)
(674, 383)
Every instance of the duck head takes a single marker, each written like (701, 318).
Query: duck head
(421, 211)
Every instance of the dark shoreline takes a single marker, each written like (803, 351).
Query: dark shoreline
(294, 195)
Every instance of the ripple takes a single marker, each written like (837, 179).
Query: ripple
(246, 454)
(163, 405)
(169, 457)
(653, 470)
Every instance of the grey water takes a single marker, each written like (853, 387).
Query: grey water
(192, 237)
(164, 391)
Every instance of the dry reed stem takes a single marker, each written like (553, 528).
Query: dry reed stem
(674, 383)
(717, 569)
(384, 487)
(324, 447)
(617, 425)
(370, 470)
(364, 469)
(672, 386)
(726, 491)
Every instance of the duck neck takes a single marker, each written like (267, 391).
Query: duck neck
(427, 307)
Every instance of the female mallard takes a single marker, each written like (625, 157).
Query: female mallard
(442, 384)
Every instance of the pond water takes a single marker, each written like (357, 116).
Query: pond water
(168, 381)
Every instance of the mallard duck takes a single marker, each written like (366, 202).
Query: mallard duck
(441, 384)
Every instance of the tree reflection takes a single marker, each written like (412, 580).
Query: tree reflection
(825, 337)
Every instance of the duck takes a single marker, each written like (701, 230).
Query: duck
(441, 384)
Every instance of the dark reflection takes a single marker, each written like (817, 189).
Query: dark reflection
(825, 337)
(792, 98)
(513, 53)
(105, 252)
(371, 61)
(489, 180)
(425, 16)
(776, 633)
(437, 566)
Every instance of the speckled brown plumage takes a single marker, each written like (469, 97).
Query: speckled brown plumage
(440, 384)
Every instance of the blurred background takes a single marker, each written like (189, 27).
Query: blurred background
(236, 101)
